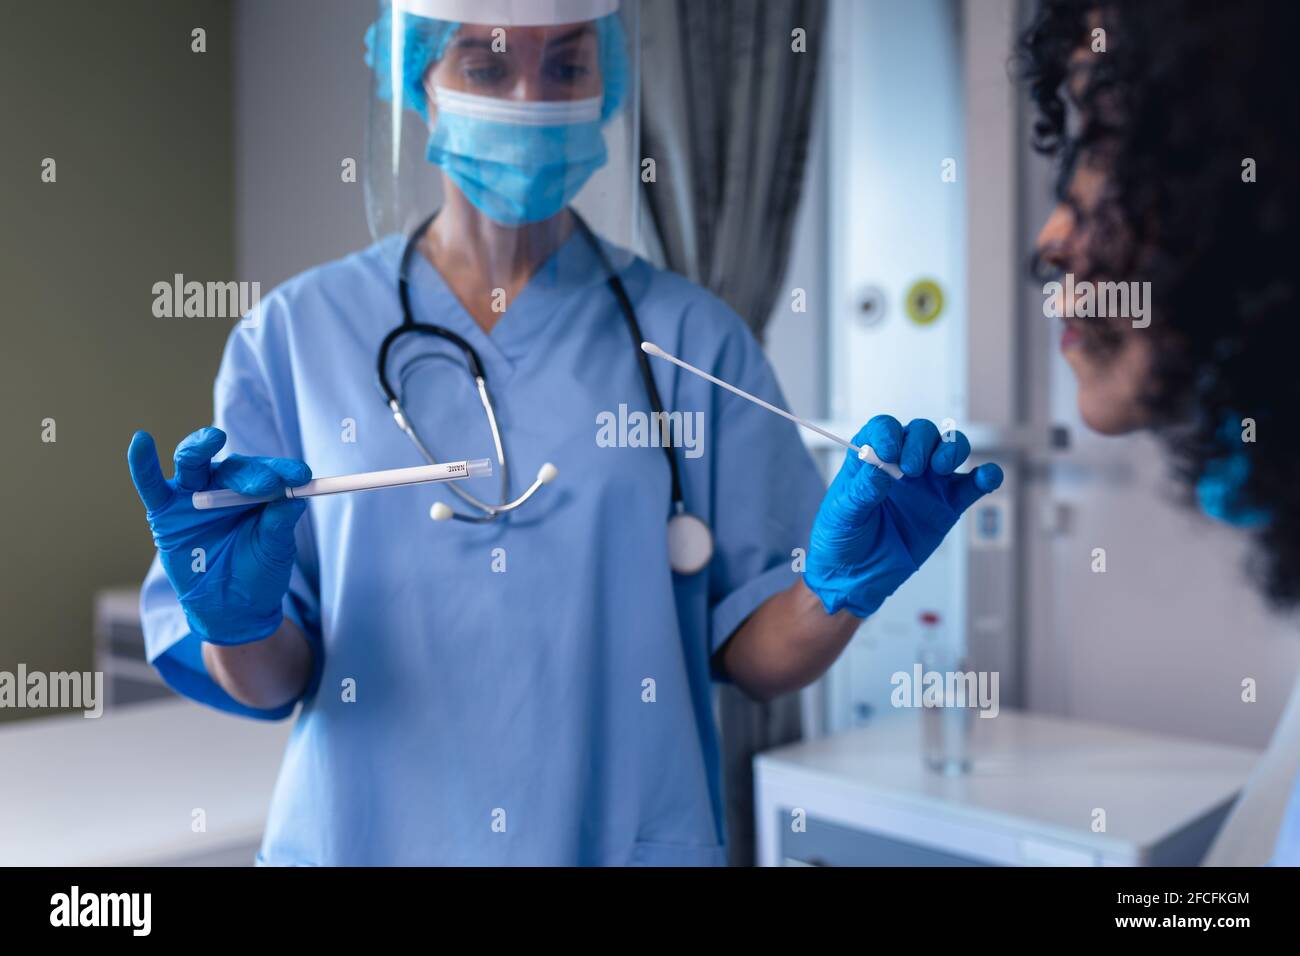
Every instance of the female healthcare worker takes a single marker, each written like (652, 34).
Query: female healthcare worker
(525, 686)
(1154, 135)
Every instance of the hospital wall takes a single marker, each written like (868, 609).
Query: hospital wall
(138, 126)
(301, 89)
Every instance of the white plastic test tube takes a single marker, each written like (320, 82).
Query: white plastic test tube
(362, 481)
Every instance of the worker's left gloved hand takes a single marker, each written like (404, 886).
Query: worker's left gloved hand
(873, 531)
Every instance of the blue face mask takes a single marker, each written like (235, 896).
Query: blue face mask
(517, 161)
(1221, 490)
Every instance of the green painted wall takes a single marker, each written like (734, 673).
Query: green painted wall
(140, 129)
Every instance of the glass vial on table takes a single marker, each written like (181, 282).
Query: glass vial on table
(945, 714)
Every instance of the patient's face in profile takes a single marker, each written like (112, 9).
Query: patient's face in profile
(1111, 359)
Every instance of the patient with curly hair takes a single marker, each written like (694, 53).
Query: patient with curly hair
(1174, 126)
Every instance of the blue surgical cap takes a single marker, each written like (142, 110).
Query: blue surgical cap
(426, 40)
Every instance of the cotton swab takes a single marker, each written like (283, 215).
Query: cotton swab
(865, 452)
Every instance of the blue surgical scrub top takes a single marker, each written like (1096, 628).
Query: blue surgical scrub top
(537, 690)
(1287, 850)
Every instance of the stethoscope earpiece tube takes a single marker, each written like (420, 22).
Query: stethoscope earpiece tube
(634, 327)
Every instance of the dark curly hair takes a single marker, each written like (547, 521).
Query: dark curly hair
(1184, 93)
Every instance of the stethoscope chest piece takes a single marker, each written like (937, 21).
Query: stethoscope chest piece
(690, 543)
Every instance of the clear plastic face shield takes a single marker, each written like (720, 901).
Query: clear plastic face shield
(502, 117)
(502, 150)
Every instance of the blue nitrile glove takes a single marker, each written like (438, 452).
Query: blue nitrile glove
(873, 531)
(248, 551)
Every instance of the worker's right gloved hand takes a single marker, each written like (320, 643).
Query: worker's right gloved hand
(229, 566)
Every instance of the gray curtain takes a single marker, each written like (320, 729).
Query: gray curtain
(726, 111)
(727, 107)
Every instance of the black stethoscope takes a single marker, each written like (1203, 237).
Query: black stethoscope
(690, 542)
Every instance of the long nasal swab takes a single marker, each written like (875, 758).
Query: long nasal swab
(865, 452)
(361, 481)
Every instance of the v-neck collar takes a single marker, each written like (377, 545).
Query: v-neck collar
(574, 267)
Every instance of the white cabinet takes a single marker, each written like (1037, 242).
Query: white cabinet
(1037, 791)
